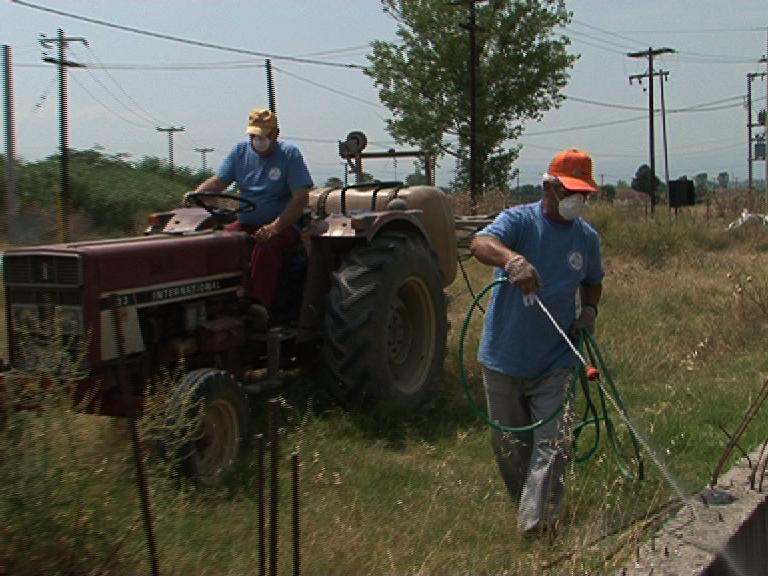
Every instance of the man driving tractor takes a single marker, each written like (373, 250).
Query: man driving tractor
(272, 174)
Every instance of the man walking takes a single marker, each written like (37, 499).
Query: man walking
(546, 249)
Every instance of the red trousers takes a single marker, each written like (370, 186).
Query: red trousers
(267, 262)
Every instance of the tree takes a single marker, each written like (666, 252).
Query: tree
(424, 79)
(333, 182)
(723, 179)
(642, 180)
(418, 177)
(701, 180)
(608, 192)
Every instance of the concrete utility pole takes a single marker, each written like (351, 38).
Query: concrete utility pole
(170, 130)
(649, 54)
(751, 124)
(203, 152)
(63, 200)
(765, 119)
(11, 193)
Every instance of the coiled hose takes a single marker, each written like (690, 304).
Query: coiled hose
(592, 416)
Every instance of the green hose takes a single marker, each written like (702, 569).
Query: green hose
(591, 417)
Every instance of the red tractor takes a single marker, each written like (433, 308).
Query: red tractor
(364, 294)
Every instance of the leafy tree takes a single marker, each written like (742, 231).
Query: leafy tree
(608, 192)
(723, 179)
(417, 178)
(424, 79)
(642, 180)
(333, 182)
(622, 184)
(701, 180)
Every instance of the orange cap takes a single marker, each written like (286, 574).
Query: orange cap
(574, 169)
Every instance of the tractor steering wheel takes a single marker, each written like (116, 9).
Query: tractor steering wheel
(220, 212)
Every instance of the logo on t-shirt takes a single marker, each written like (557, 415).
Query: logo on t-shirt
(575, 260)
(274, 173)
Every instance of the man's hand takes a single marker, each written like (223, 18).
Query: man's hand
(266, 233)
(522, 274)
(586, 319)
(185, 201)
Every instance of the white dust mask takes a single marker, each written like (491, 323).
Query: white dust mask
(260, 143)
(571, 207)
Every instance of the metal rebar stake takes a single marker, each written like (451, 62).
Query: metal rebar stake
(274, 463)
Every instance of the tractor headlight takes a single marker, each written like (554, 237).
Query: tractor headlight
(70, 319)
(26, 317)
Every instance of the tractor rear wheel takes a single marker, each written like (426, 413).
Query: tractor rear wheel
(385, 323)
(222, 434)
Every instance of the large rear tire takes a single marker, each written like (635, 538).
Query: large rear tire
(223, 431)
(385, 323)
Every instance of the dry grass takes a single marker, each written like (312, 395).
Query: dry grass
(682, 328)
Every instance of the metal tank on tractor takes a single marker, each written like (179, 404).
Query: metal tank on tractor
(364, 294)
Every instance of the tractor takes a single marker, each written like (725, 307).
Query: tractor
(362, 301)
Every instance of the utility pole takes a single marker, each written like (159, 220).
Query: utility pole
(649, 54)
(203, 152)
(11, 205)
(765, 119)
(472, 28)
(750, 125)
(663, 78)
(63, 200)
(270, 86)
(170, 130)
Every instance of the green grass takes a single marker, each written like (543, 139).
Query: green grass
(681, 327)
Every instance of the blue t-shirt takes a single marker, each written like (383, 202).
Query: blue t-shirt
(520, 340)
(268, 181)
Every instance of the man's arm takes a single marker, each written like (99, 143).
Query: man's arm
(287, 218)
(590, 294)
(212, 184)
(493, 252)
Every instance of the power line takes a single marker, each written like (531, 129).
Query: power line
(119, 86)
(586, 126)
(181, 40)
(107, 108)
(330, 89)
(631, 41)
(234, 65)
(146, 119)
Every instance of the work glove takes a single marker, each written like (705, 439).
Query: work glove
(586, 320)
(522, 274)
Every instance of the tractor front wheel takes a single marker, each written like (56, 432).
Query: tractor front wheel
(221, 433)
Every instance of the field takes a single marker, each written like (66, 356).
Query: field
(682, 324)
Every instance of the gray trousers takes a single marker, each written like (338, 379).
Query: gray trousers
(532, 464)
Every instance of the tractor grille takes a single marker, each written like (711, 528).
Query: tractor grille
(42, 269)
(48, 331)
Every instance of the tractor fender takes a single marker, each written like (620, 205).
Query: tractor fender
(402, 221)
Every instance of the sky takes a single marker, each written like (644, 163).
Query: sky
(134, 83)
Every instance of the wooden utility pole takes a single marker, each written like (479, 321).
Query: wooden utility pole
(270, 86)
(170, 130)
(63, 199)
(649, 54)
(11, 193)
(203, 152)
(475, 183)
